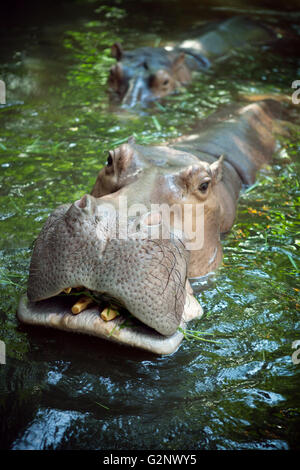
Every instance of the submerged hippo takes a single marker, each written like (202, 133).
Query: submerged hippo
(143, 264)
(145, 74)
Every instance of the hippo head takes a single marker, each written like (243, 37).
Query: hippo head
(145, 74)
(187, 192)
(126, 246)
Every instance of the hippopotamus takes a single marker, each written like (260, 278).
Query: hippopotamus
(120, 243)
(148, 73)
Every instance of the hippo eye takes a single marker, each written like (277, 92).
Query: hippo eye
(203, 187)
(109, 161)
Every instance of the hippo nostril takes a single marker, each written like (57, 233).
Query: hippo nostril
(87, 204)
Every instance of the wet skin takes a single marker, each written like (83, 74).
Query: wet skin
(149, 277)
(145, 74)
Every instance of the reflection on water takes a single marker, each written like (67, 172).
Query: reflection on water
(63, 391)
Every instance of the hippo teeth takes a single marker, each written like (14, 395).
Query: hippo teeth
(110, 308)
(192, 308)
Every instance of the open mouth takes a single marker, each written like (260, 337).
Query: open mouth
(110, 309)
(80, 310)
(143, 281)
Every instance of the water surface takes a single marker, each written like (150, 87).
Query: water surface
(63, 391)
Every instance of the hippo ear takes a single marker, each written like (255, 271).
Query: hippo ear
(124, 156)
(217, 169)
(117, 51)
(178, 61)
(179, 70)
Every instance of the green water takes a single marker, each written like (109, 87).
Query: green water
(63, 391)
